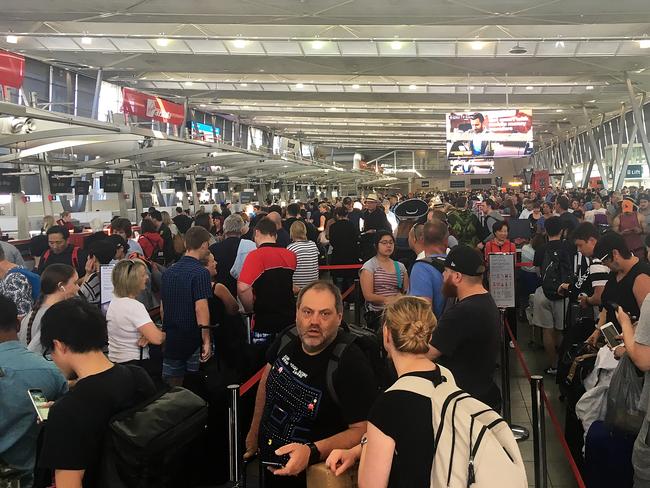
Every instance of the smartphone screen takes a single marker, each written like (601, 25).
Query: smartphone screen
(38, 399)
(271, 464)
(610, 333)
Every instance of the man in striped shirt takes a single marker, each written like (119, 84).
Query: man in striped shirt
(306, 252)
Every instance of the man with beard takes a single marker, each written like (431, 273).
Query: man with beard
(467, 337)
(304, 409)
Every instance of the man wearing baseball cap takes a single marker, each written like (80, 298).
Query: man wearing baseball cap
(467, 337)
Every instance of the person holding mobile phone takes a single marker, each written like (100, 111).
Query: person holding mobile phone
(22, 371)
(73, 336)
(637, 346)
(628, 284)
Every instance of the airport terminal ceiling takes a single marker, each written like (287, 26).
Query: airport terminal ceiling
(351, 76)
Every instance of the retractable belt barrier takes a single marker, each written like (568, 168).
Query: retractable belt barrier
(539, 400)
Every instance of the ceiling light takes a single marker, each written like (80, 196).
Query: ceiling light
(477, 45)
(518, 49)
(471, 87)
(203, 105)
(559, 44)
(12, 39)
(240, 43)
(422, 110)
(300, 86)
(644, 43)
(86, 40)
(530, 87)
(243, 84)
(413, 87)
(559, 110)
(396, 45)
(189, 83)
(317, 44)
(589, 87)
(355, 87)
(162, 41)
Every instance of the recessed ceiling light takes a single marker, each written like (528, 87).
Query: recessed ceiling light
(240, 43)
(471, 87)
(530, 87)
(12, 39)
(188, 83)
(591, 101)
(317, 44)
(300, 86)
(644, 43)
(589, 87)
(396, 45)
(477, 45)
(559, 110)
(422, 110)
(203, 105)
(355, 87)
(559, 44)
(243, 84)
(86, 40)
(162, 41)
(413, 87)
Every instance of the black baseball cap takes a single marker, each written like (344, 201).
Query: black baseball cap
(609, 242)
(413, 209)
(465, 260)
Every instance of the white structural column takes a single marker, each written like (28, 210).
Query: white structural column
(595, 153)
(638, 120)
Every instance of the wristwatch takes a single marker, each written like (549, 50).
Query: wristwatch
(314, 454)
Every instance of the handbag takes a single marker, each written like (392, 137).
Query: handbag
(320, 476)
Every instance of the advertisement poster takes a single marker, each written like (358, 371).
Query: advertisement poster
(12, 69)
(151, 107)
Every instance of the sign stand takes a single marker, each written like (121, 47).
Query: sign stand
(502, 288)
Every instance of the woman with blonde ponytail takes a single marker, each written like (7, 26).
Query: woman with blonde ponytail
(399, 446)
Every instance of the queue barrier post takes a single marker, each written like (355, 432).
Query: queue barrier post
(521, 433)
(248, 319)
(539, 431)
(357, 302)
(234, 435)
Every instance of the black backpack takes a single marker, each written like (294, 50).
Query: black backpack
(556, 269)
(144, 445)
(370, 343)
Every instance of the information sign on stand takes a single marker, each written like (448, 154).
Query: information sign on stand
(502, 279)
(106, 280)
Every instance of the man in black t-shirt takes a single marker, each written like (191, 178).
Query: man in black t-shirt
(298, 419)
(467, 337)
(73, 334)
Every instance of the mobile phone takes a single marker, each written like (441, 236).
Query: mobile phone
(38, 399)
(272, 464)
(610, 332)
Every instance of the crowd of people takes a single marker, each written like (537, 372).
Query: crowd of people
(182, 286)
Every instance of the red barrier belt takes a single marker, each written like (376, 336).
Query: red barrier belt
(347, 292)
(521, 265)
(551, 413)
(339, 266)
(251, 382)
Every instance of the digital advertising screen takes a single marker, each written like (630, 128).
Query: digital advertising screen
(472, 166)
(146, 185)
(81, 187)
(490, 134)
(205, 132)
(9, 184)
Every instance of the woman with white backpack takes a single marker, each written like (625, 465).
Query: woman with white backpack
(424, 431)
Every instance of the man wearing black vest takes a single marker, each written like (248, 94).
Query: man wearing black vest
(627, 286)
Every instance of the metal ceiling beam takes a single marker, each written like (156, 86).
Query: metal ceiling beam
(638, 119)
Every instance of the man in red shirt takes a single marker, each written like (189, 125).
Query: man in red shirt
(265, 285)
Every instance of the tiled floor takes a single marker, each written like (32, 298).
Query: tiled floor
(559, 471)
